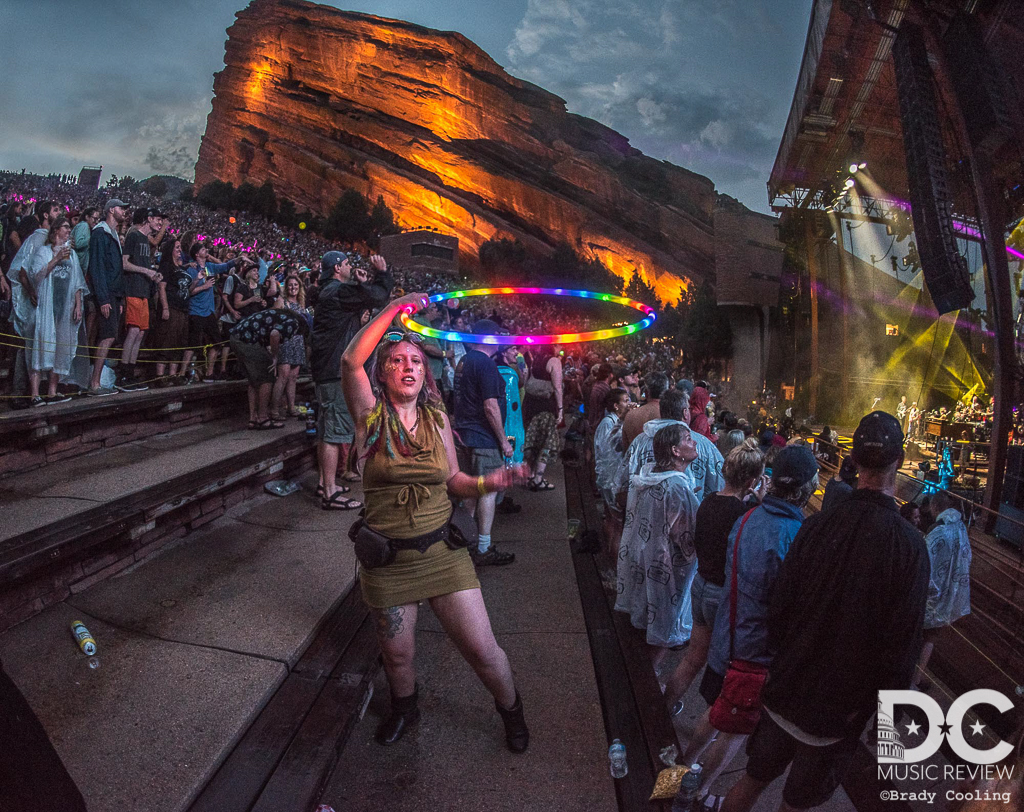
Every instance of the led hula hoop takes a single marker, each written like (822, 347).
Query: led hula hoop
(559, 338)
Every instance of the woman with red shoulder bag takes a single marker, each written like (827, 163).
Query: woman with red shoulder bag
(739, 657)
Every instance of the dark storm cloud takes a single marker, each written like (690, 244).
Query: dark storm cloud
(703, 83)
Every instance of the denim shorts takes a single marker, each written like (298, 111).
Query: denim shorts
(705, 598)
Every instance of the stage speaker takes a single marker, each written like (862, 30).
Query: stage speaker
(912, 452)
(945, 270)
(980, 85)
(1013, 482)
(1010, 525)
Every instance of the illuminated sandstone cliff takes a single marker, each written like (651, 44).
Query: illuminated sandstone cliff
(316, 100)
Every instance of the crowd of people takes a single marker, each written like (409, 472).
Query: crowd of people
(705, 541)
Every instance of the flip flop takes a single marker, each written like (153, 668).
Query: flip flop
(339, 502)
(351, 476)
(253, 425)
(543, 485)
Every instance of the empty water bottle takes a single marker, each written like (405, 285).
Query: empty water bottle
(310, 419)
(617, 759)
(689, 788)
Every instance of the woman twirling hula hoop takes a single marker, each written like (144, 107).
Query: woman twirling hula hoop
(410, 471)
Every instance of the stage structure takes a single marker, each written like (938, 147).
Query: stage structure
(90, 176)
(897, 178)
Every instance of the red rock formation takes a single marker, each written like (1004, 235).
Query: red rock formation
(317, 100)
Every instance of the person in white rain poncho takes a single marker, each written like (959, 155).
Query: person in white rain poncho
(704, 473)
(657, 558)
(949, 587)
(60, 285)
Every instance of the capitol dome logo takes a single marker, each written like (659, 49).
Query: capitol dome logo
(889, 747)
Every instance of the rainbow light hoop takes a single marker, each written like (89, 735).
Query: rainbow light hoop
(556, 338)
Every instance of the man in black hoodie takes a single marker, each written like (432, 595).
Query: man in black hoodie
(845, 621)
(341, 302)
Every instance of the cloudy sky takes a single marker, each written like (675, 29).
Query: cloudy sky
(705, 84)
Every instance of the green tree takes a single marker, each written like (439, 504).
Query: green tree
(705, 335)
(287, 216)
(382, 222)
(217, 194)
(244, 197)
(501, 255)
(349, 219)
(155, 186)
(265, 202)
(640, 291)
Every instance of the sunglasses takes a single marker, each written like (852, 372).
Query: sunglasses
(401, 335)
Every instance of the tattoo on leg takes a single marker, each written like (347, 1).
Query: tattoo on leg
(391, 621)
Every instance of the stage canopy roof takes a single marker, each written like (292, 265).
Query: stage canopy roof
(845, 109)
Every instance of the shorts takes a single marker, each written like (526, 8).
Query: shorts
(169, 336)
(816, 771)
(203, 330)
(256, 362)
(334, 424)
(136, 313)
(705, 598)
(711, 685)
(109, 327)
(479, 461)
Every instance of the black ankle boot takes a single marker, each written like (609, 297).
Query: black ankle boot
(403, 714)
(517, 735)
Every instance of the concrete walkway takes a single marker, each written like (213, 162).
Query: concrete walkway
(193, 642)
(455, 758)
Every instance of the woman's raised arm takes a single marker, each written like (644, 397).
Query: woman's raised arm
(354, 381)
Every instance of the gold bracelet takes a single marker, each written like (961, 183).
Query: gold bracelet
(480, 489)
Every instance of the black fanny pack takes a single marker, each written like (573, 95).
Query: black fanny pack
(374, 549)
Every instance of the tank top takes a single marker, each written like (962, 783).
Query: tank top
(408, 496)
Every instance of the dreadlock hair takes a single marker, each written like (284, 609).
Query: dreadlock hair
(384, 430)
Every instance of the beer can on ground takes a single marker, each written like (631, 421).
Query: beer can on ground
(83, 637)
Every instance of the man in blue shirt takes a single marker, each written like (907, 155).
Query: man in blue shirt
(480, 424)
(203, 328)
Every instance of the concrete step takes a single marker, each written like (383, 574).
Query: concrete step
(193, 642)
(64, 528)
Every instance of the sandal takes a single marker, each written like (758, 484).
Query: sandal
(341, 489)
(351, 476)
(339, 502)
(264, 425)
(543, 485)
(253, 425)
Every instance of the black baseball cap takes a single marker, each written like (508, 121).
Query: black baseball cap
(878, 441)
(486, 327)
(794, 465)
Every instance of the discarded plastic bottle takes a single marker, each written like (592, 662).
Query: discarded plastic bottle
(689, 787)
(83, 638)
(281, 487)
(617, 759)
(310, 420)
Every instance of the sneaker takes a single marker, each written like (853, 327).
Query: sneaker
(131, 386)
(58, 399)
(492, 558)
(38, 401)
(102, 391)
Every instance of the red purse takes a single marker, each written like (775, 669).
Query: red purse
(738, 707)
